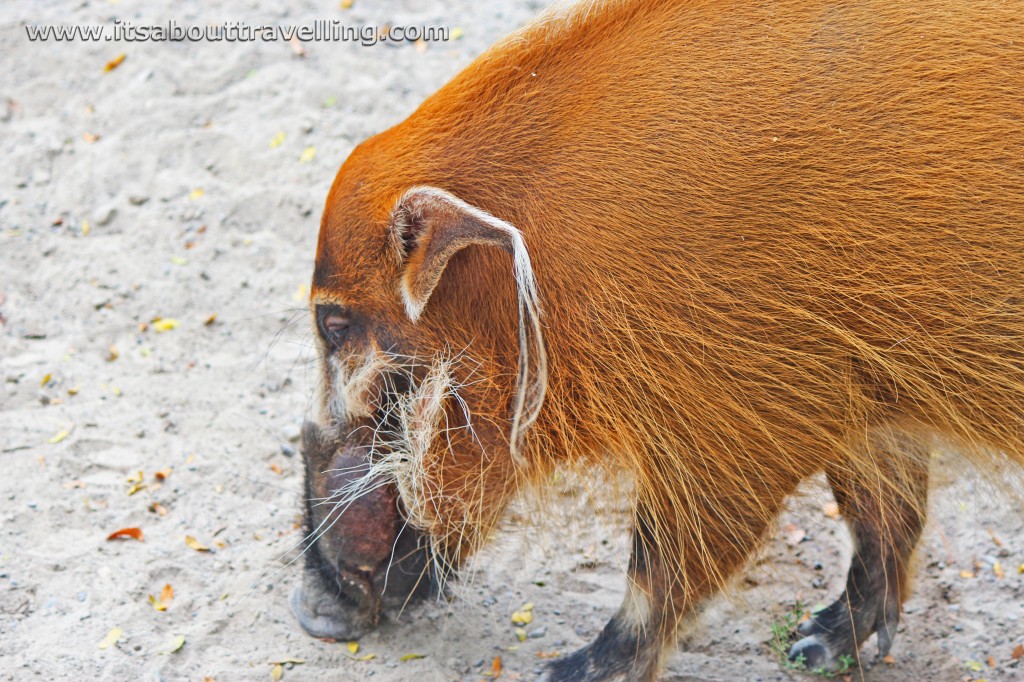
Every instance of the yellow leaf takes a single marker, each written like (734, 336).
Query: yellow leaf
(136, 488)
(136, 477)
(73, 390)
(347, 4)
(176, 644)
(997, 568)
(114, 63)
(366, 657)
(179, 260)
(116, 390)
(277, 141)
(353, 647)
(301, 294)
(112, 638)
(157, 604)
(61, 435)
(85, 228)
(966, 574)
(210, 320)
(457, 33)
(46, 380)
(192, 543)
(197, 193)
(277, 672)
(113, 354)
(521, 634)
(522, 617)
(974, 666)
(412, 657)
(308, 154)
(164, 324)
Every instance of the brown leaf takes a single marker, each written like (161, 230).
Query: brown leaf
(276, 468)
(991, 661)
(163, 473)
(496, 667)
(114, 63)
(90, 138)
(1018, 652)
(889, 659)
(210, 320)
(133, 533)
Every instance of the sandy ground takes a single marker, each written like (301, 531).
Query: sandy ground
(183, 185)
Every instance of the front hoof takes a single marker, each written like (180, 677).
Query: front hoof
(812, 653)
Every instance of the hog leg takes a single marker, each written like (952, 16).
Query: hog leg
(721, 528)
(885, 527)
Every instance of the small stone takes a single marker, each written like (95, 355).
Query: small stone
(287, 450)
(537, 633)
(104, 215)
(291, 433)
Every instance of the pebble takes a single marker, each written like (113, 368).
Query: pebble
(291, 433)
(287, 450)
(537, 633)
(104, 214)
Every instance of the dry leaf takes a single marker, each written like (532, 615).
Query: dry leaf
(192, 543)
(136, 477)
(889, 659)
(175, 646)
(997, 568)
(1018, 652)
(210, 320)
(114, 63)
(90, 138)
(308, 154)
(347, 4)
(163, 473)
(966, 574)
(136, 488)
(277, 140)
(113, 354)
(995, 538)
(366, 657)
(46, 379)
(277, 672)
(112, 638)
(974, 666)
(411, 657)
(179, 260)
(164, 324)
(991, 661)
(167, 594)
(73, 390)
(548, 654)
(297, 46)
(85, 228)
(521, 634)
(158, 508)
(522, 618)
(61, 435)
(276, 468)
(124, 533)
(457, 33)
(353, 647)
(496, 667)
(157, 604)
(197, 193)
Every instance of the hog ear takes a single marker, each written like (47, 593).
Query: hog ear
(428, 227)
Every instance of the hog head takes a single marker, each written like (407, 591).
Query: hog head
(433, 369)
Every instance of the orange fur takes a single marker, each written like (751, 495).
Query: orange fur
(767, 236)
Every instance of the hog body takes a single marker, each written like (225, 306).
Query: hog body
(715, 246)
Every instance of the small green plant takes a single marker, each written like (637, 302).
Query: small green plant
(784, 633)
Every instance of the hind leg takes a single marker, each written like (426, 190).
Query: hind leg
(884, 506)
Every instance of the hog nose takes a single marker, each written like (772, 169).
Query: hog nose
(348, 615)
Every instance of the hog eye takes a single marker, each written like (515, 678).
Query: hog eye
(334, 322)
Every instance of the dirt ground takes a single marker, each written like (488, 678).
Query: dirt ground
(186, 185)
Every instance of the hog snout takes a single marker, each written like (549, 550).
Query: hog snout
(358, 551)
(352, 522)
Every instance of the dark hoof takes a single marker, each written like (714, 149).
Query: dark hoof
(813, 653)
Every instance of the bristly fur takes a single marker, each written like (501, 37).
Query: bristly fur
(772, 239)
